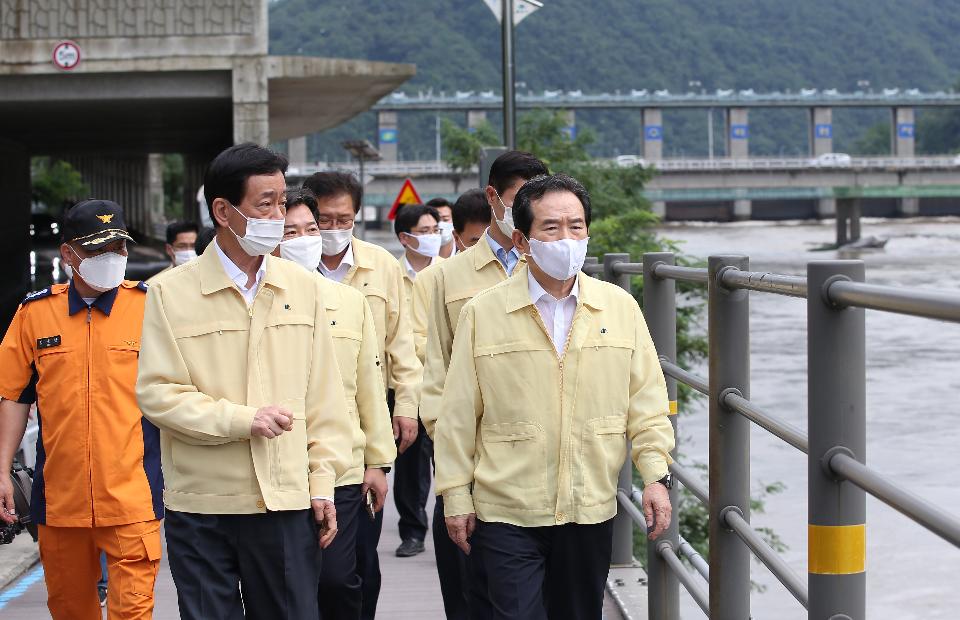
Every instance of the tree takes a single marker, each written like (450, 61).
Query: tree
(56, 184)
(461, 147)
(874, 141)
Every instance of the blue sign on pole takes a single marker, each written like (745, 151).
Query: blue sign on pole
(653, 132)
(571, 132)
(823, 131)
(906, 130)
(388, 136)
(739, 132)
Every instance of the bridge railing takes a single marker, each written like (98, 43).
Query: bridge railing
(835, 440)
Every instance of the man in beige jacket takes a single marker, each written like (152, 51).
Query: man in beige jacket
(552, 371)
(237, 370)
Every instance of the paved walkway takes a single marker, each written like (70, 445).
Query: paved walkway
(411, 588)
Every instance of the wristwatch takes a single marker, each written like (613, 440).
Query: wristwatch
(667, 481)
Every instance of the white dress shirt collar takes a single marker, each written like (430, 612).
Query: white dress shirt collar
(338, 274)
(410, 271)
(239, 277)
(557, 314)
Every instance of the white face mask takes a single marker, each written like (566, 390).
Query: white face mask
(103, 272)
(561, 259)
(427, 245)
(506, 224)
(183, 256)
(335, 241)
(262, 237)
(304, 251)
(446, 232)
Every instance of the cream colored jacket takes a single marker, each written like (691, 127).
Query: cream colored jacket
(456, 282)
(208, 361)
(378, 275)
(533, 439)
(356, 344)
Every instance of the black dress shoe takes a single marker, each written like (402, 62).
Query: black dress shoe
(410, 548)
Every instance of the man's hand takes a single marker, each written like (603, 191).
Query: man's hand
(460, 529)
(375, 479)
(8, 510)
(326, 515)
(271, 422)
(656, 509)
(404, 430)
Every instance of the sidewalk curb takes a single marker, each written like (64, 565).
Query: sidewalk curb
(13, 571)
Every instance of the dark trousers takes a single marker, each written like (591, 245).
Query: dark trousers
(340, 593)
(411, 487)
(368, 562)
(463, 584)
(534, 573)
(272, 558)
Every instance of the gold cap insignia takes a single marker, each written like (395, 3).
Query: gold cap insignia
(105, 218)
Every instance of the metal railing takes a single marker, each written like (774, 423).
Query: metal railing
(835, 441)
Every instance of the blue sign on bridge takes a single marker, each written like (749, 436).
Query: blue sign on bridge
(906, 130)
(388, 136)
(824, 130)
(739, 132)
(653, 132)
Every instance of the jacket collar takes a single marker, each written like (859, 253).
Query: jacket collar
(483, 255)
(213, 278)
(518, 292)
(331, 295)
(362, 254)
(103, 303)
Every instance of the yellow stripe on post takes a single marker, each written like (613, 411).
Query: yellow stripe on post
(837, 549)
(673, 407)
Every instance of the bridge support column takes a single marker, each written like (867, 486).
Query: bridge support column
(652, 136)
(821, 131)
(659, 209)
(848, 220)
(836, 419)
(738, 133)
(729, 341)
(155, 197)
(15, 234)
(660, 312)
(904, 132)
(908, 207)
(826, 208)
(742, 210)
(475, 118)
(297, 151)
(387, 135)
(251, 102)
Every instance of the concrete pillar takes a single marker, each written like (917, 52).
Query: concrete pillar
(387, 132)
(908, 207)
(571, 124)
(738, 133)
(15, 233)
(826, 208)
(904, 130)
(297, 151)
(251, 113)
(821, 131)
(194, 167)
(659, 209)
(652, 136)
(157, 214)
(475, 118)
(742, 210)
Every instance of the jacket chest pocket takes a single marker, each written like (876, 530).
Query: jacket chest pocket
(512, 469)
(284, 347)
(379, 306)
(605, 370)
(122, 367)
(603, 448)
(60, 367)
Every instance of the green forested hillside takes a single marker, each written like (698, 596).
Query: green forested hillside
(605, 45)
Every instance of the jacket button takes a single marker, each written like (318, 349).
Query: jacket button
(261, 504)
(560, 517)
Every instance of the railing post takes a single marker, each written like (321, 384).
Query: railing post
(622, 524)
(836, 418)
(729, 342)
(660, 313)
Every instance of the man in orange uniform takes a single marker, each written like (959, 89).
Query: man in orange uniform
(97, 486)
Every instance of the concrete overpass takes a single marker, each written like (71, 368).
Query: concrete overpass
(108, 86)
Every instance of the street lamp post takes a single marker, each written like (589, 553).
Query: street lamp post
(363, 151)
(509, 94)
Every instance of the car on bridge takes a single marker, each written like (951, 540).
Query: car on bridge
(832, 160)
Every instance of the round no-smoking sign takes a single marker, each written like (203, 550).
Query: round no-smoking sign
(66, 55)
